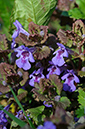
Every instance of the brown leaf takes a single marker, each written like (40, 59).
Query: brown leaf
(22, 96)
(4, 54)
(3, 42)
(9, 74)
(6, 69)
(39, 96)
(25, 40)
(61, 116)
(68, 38)
(78, 27)
(65, 5)
(12, 78)
(39, 31)
(41, 53)
(56, 82)
(38, 35)
(25, 76)
(4, 89)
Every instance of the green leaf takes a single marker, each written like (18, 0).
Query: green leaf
(18, 121)
(35, 112)
(14, 125)
(81, 73)
(30, 123)
(80, 112)
(42, 52)
(38, 11)
(81, 97)
(56, 82)
(5, 13)
(65, 102)
(78, 13)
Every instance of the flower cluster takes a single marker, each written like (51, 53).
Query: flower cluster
(58, 66)
(38, 73)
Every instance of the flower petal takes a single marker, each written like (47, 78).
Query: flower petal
(31, 58)
(26, 65)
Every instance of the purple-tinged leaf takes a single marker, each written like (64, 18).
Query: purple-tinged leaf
(41, 53)
(79, 28)
(61, 117)
(25, 76)
(39, 96)
(56, 82)
(68, 38)
(4, 89)
(39, 31)
(3, 42)
(65, 5)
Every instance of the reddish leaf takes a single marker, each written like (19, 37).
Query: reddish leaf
(4, 89)
(25, 76)
(69, 38)
(78, 27)
(56, 82)
(61, 117)
(38, 95)
(38, 35)
(3, 42)
(39, 31)
(41, 53)
(65, 5)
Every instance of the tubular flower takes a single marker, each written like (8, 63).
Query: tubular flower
(47, 105)
(18, 31)
(36, 76)
(53, 70)
(70, 78)
(47, 125)
(3, 119)
(21, 115)
(25, 56)
(60, 53)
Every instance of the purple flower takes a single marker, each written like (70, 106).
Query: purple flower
(36, 76)
(57, 98)
(20, 115)
(60, 53)
(47, 125)
(53, 70)
(3, 119)
(18, 31)
(70, 78)
(47, 105)
(25, 56)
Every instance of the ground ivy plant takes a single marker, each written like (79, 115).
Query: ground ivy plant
(42, 75)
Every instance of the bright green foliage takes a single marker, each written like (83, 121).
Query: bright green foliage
(81, 98)
(80, 112)
(38, 11)
(78, 13)
(36, 113)
(5, 13)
